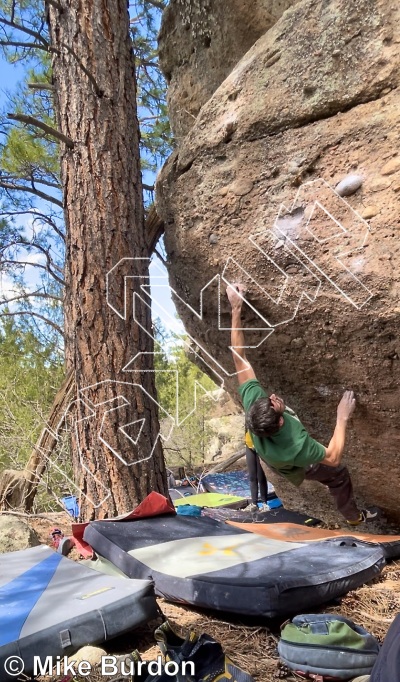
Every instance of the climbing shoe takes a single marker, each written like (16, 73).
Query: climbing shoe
(264, 507)
(209, 662)
(175, 648)
(138, 670)
(133, 665)
(369, 514)
(141, 673)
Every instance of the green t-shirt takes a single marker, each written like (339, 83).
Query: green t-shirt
(291, 449)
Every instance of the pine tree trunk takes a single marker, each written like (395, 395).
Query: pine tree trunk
(95, 102)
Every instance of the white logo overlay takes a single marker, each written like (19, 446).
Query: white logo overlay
(109, 666)
(321, 236)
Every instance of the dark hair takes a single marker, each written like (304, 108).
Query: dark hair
(261, 418)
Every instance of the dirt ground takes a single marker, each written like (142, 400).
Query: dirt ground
(251, 644)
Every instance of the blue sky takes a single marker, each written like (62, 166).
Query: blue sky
(10, 74)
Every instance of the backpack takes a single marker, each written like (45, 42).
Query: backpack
(327, 646)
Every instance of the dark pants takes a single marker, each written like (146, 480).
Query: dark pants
(338, 481)
(256, 476)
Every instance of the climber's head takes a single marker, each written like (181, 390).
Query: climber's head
(264, 417)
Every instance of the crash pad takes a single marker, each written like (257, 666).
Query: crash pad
(232, 483)
(244, 518)
(291, 532)
(213, 500)
(181, 491)
(153, 505)
(200, 561)
(50, 605)
(102, 565)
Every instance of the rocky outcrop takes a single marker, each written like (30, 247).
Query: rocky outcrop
(15, 534)
(227, 438)
(199, 44)
(92, 654)
(249, 195)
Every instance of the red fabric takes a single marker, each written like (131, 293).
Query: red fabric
(154, 504)
(83, 548)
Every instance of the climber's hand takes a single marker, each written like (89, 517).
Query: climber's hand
(235, 293)
(346, 406)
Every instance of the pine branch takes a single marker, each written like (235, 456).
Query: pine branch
(30, 46)
(41, 181)
(41, 86)
(42, 515)
(53, 226)
(158, 4)
(32, 180)
(50, 263)
(47, 183)
(149, 118)
(34, 265)
(30, 120)
(29, 245)
(25, 29)
(31, 190)
(37, 216)
(34, 314)
(35, 294)
(158, 254)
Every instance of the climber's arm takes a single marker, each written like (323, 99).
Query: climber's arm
(243, 368)
(334, 451)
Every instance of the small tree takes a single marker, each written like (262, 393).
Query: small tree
(182, 391)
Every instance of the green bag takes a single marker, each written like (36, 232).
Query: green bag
(327, 646)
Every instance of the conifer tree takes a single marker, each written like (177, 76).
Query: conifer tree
(97, 218)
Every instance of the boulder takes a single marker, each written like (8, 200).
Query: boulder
(91, 654)
(199, 44)
(223, 405)
(313, 101)
(15, 534)
(228, 439)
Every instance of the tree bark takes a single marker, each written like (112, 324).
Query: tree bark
(154, 228)
(95, 104)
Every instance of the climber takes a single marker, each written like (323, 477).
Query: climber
(281, 440)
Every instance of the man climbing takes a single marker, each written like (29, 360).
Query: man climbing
(282, 441)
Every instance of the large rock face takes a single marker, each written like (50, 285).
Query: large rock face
(314, 99)
(199, 44)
